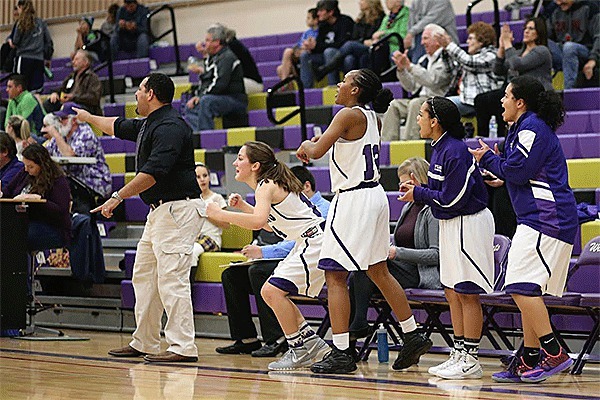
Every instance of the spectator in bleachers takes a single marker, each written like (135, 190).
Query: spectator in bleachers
(253, 82)
(131, 31)
(396, 21)
(109, 25)
(533, 59)
(210, 236)
(574, 40)
(413, 259)
(422, 13)
(18, 128)
(239, 283)
(9, 163)
(42, 178)
(71, 138)
(34, 47)
(335, 29)
(7, 53)
(477, 64)
(82, 86)
(535, 170)
(86, 38)
(458, 198)
(354, 53)
(22, 102)
(221, 89)
(430, 76)
(291, 55)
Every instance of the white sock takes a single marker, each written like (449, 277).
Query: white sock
(408, 325)
(196, 252)
(341, 340)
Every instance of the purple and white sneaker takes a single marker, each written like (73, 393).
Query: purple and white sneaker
(513, 373)
(547, 366)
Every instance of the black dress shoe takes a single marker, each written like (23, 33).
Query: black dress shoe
(239, 347)
(271, 350)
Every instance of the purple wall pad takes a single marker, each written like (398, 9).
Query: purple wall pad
(581, 99)
(127, 294)
(213, 139)
(384, 153)
(208, 297)
(111, 144)
(322, 178)
(135, 210)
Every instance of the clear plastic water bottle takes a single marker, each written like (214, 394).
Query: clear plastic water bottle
(493, 127)
(383, 350)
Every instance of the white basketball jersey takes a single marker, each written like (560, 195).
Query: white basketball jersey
(354, 162)
(295, 217)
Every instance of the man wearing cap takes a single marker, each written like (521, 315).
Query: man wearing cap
(71, 138)
(166, 181)
(335, 29)
(88, 39)
(131, 31)
(82, 86)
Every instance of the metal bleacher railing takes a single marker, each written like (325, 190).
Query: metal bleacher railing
(496, 14)
(272, 103)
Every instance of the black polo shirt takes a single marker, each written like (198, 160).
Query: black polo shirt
(165, 151)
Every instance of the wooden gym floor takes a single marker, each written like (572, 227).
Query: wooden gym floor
(82, 370)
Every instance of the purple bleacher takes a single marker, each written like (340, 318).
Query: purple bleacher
(589, 145)
(135, 209)
(335, 108)
(162, 55)
(248, 41)
(61, 73)
(395, 205)
(118, 181)
(187, 50)
(580, 121)
(598, 196)
(270, 81)
(258, 118)
(138, 68)
(59, 62)
(50, 87)
(128, 261)
(119, 69)
(266, 40)
(487, 16)
(215, 139)
(384, 153)
(114, 110)
(569, 145)
(127, 294)
(322, 178)
(292, 136)
(267, 53)
(208, 297)
(289, 38)
(581, 99)
(396, 89)
(312, 97)
(129, 146)
(268, 69)
(515, 26)
(111, 144)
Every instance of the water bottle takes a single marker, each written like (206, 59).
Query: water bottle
(383, 350)
(493, 127)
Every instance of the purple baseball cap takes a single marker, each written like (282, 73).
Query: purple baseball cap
(67, 109)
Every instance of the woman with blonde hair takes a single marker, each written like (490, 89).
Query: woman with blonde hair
(18, 128)
(413, 258)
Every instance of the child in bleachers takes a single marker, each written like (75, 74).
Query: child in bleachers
(291, 55)
(210, 236)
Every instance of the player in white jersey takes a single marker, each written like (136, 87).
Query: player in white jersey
(357, 228)
(282, 207)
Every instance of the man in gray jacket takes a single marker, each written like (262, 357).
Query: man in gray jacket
(222, 83)
(430, 76)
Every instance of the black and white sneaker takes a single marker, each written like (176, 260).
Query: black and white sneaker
(335, 362)
(415, 345)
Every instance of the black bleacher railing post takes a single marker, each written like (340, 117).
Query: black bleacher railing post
(385, 40)
(496, 15)
(178, 69)
(272, 103)
(108, 63)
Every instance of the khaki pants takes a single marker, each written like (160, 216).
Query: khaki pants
(161, 278)
(399, 109)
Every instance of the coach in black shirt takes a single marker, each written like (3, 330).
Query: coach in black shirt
(166, 181)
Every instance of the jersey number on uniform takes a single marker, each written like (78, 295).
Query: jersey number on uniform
(371, 153)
